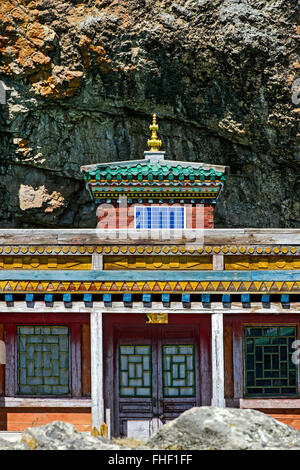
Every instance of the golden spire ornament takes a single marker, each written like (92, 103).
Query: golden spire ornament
(154, 143)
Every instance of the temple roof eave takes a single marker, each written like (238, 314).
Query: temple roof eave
(143, 162)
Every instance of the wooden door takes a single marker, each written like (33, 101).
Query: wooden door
(178, 376)
(157, 376)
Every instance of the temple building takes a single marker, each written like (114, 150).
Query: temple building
(123, 327)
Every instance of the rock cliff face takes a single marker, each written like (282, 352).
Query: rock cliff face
(84, 76)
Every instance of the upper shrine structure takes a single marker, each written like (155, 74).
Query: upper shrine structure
(155, 193)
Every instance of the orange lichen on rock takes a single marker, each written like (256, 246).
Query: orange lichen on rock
(6, 7)
(28, 3)
(22, 143)
(62, 83)
(6, 69)
(19, 15)
(28, 56)
(25, 44)
(89, 51)
(24, 47)
(19, 47)
(41, 36)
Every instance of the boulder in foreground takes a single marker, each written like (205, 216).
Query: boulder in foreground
(203, 428)
(62, 436)
(225, 429)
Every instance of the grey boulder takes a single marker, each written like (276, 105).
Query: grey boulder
(213, 428)
(62, 436)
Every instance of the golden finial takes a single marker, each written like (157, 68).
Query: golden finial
(154, 143)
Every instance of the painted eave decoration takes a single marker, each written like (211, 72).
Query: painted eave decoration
(145, 180)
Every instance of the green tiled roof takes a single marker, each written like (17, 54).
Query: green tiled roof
(150, 171)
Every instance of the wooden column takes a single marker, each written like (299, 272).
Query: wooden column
(217, 360)
(217, 342)
(97, 395)
(218, 262)
(97, 261)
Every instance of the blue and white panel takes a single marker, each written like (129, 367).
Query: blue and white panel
(159, 217)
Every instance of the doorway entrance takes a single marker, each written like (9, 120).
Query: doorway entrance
(160, 371)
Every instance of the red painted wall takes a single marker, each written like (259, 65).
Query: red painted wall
(18, 419)
(109, 217)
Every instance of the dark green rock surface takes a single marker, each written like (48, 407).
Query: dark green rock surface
(85, 77)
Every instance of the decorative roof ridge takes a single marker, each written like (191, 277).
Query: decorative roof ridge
(148, 163)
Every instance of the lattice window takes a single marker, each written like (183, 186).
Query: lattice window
(135, 371)
(43, 360)
(178, 370)
(159, 217)
(269, 368)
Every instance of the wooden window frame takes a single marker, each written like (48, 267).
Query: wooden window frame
(277, 396)
(75, 358)
(239, 357)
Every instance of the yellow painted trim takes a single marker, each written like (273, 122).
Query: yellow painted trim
(230, 250)
(46, 262)
(250, 263)
(164, 262)
(149, 286)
